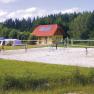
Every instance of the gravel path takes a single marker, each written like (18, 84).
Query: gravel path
(65, 56)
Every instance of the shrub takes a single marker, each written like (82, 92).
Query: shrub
(78, 78)
(91, 76)
(9, 82)
(25, 82)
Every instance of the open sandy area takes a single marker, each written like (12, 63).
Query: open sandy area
(64, 56)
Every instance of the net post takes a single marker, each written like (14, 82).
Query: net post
(56, 45)
(26, 47)
(86, 51)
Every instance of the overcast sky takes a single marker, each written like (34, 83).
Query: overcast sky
(33, 8)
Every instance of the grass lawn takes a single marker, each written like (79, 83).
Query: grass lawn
(18, 47)
(38, 78)
(23, 47)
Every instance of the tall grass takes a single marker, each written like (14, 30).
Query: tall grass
(36, 76)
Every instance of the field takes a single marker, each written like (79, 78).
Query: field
(18, 77)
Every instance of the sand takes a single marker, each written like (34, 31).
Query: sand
(64, 56)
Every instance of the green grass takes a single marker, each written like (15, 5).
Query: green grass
(38, 78)
(23, 47)
(38, 70)
(18, 47)
(60, 90)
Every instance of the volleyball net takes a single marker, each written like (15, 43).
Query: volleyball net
(56, 47)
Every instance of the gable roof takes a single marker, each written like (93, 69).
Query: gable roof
(45, 30)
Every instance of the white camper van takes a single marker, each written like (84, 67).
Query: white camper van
(13, 42)
(10, 42)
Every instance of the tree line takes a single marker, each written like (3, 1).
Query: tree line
(75, 25)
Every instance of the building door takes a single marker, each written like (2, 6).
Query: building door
(46, 40)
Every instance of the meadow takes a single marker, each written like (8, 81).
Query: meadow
(18, 77)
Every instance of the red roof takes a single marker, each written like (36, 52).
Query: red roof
(45, 30)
